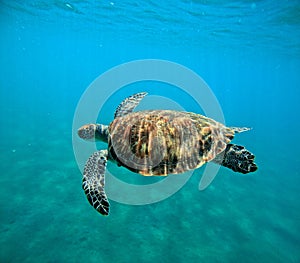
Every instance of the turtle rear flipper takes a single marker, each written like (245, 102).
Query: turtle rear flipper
(237, 158)
(93, 181)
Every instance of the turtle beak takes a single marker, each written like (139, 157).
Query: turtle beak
(87, 132)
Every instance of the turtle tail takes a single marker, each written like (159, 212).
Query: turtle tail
(237, 158)
(240, 129)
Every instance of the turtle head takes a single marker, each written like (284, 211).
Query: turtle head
(87, 132)
(93, 132)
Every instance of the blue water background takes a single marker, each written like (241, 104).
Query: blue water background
(249, 54)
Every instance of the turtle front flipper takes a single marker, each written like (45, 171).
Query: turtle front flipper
(93, 181)
(237, 158)
(129, 104)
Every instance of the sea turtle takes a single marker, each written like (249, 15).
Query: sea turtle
(158, 142)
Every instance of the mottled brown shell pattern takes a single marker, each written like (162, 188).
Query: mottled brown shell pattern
(161, 142)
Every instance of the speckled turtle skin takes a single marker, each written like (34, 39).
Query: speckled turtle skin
(162, 142)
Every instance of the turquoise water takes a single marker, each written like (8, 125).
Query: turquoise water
(247, 52)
